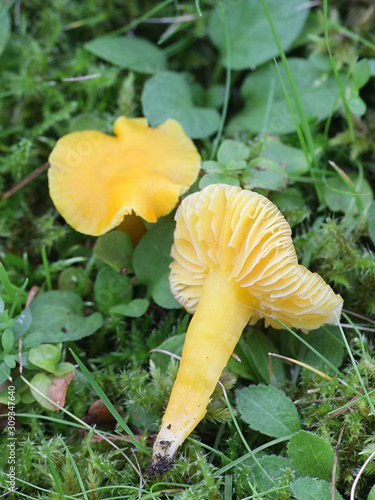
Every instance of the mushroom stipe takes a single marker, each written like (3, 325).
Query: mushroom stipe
(234, 263)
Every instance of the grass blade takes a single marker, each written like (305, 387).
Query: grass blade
(99, 391)
(336, 73)
(227, 83)
(302, 116)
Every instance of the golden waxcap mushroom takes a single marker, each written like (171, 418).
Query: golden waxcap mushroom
(96, 179)
(234, 262)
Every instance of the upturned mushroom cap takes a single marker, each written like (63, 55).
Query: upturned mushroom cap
(96, 179)
(242, 231)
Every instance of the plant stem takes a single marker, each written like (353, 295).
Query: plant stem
(222, 314)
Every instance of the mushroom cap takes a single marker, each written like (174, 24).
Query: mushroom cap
(243, 231)
(96, 179)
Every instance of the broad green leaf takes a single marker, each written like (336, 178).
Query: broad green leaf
(291, 204)
(4, 372)
(63, 368)
(172, 345)
(252, 349)
(218, 178)
(32, 340)
(292, 159)
(232, 150)
(45, 356)
(265, 174)
(371, 221)
(235, 165)
(11, 360)
(5, 25)
(86, 121)
(311, 455)
(328, 342)
(307, 488)
(317, 90)
(133, 53)
(371, 495)
(338, 197)
(115, 249)
(278, 468)
(162, 295)
(22, 324)
(74, 279)
(169, 95)
(268, 410)
(134, 309)
(51, 386)
(251, 39)
(7, 340)
(152, 258)
(371, 63)
(357, 106)
(111, 289)
(2, 306)
(361, 74)
(59, 316)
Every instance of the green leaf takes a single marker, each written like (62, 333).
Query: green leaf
(2, 306)
(361, 74)
(317, 91)
(5, 26)
(252, 349)
(86, 121)
(22, 324)
(338, 198)
(371, 221)
(307, 488)
(134, 309)
(63, 368)
(173, 345)
(11, 360)
(115, 249)
(311, 455)
(328, 342)
(292, 159)
(251, 40)
(111, 289)
(218, 178)
(59, 316)
(169, 95)
(32, 340)
(371, 63)
(152, 258)
(268, 410)
(371, 495)
(7, 340)
(265, 174)
(232, 150)
(51, 386)
(133, 53)
(45, 356)
(278, 468)
(4, 372)
(162, 295)
(291, 204)
(357, 106)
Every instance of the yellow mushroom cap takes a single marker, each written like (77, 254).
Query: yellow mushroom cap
(242, 231)
(96, 179)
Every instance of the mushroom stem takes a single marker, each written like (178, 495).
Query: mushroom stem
(222, 314)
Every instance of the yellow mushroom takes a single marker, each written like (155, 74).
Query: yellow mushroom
(234, 263)
(96, 179)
